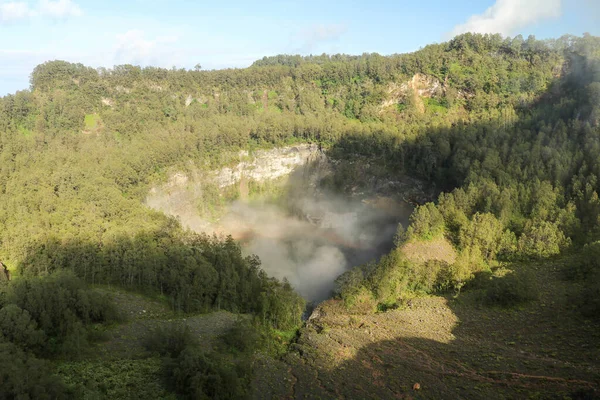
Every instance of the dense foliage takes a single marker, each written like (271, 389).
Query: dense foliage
(43, 317)
(520, 186)
(506, 129)
(197, 272)
(196, 373)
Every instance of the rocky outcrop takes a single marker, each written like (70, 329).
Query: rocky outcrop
(265, 165)
(424, 86)
(179, 195)
(420, 85)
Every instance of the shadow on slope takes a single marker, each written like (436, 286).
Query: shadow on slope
(453, 348)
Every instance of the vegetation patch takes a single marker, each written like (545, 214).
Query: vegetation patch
(511, 290)
(421, 251)
(92, 122)
(117, 379)
(435, 106)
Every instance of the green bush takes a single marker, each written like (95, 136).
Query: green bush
(588, 300)
(430, 276)
(426, 222)
(61, 306)
(280, 306)
(585, 264)
(195, 374)
(542, 239)
(170, 340)
(23, 376)
(511, 290)
(115, 379)
(361, 302)
(16, 326)
(351, 284)
(243, 337)
(380, 285)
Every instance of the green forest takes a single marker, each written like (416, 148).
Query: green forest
(507, 131)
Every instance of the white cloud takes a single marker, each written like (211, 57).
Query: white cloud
(508, 16)
(135, 48)
(59, 9)
(311, 37)
(133, 45)
(14, 11)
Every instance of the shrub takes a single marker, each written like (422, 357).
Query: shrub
(61, 306)
(510, 290)
(23, 376)
(585, 264)
(170, 340)
(361, 302)
(198, 375)
(281, 307)
(426, 222)
(429, 276)
(542, 239)
(16, 326)
(588, 300)
(243, 337)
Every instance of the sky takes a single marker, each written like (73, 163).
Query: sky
(233, 34)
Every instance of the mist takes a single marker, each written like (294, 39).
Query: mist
(312, 241)
(308, 235)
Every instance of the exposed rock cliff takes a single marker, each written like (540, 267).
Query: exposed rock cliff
(420, 85)
(265, 165)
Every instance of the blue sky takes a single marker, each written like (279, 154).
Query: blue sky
(183, 33)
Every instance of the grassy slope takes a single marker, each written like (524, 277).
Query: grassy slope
(119, 367)
(454, 348)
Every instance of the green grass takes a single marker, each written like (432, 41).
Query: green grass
(24, 131)
(91, 121)
(435, 106)
(119, 379)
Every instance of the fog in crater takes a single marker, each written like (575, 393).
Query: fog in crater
(317, 239)
(308, 234)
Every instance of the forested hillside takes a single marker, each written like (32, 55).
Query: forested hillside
(507, 129)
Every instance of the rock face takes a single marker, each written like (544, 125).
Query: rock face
(180, 195)
(420, 85)
(265, 165)
(424, 86)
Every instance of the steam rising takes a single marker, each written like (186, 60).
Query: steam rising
(321, 239)
(308, 236)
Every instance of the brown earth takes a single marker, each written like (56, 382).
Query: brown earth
(453, 348)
